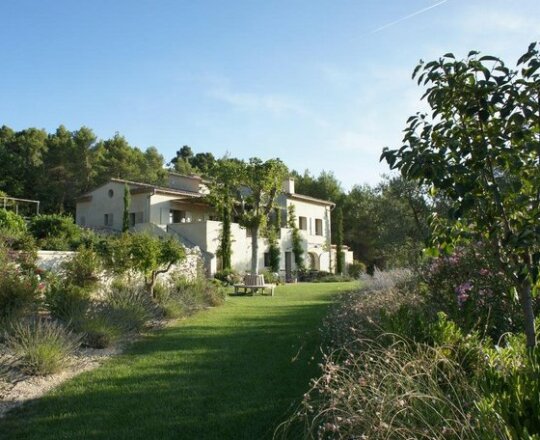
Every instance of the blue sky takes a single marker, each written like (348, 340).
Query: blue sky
(320, 84)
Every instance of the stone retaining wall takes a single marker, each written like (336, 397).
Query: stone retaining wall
(52, 260)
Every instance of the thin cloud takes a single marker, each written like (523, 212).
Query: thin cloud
(278, 105)
(406, 17)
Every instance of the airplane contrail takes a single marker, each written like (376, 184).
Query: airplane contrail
(414, 14)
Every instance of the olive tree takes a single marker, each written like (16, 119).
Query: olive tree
(143, 253)
(479, 146)
(261, 184)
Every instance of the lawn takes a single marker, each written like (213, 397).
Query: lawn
(233, 372)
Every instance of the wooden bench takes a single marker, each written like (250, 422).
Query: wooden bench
(252, 284)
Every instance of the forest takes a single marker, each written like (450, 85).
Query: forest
(385, 224)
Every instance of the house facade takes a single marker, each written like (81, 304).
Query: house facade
(180, 210)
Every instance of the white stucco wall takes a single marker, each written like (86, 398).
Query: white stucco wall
(52, 260)
(91, 213)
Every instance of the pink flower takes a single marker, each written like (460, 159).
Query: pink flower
(461, 298)
(484, 272)
(462, 292)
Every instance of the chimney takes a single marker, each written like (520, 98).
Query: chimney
(288, 186)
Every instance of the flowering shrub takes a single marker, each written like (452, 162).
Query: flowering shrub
(21, 284)
(470, 287)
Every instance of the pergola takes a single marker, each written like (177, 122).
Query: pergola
(14, 203)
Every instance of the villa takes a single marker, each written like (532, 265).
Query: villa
(181, 210)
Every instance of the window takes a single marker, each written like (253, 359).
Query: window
(108, 219)
(302, 223)
(267, 259)
(111, 193)
(318, 226)
(177, 216)
(135, 217)
(284, 217)
(82, 221)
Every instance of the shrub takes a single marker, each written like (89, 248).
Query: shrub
(196, 294)
(98, 328)
(129, 306)
(472, 290)
(54, 231)
(41, 346)
(170, 306)
(511, 389)
(228, 276)
(356, 268)
(12, 222)
(386, 280)
(67, 302)
(270, 277)
(19, 293)
(87, 239)
(173, 309)
(332, 278)
(398, 391)
(83, 269)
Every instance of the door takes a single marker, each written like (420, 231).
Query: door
(288, 267)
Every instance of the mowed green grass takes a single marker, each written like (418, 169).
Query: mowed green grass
(232, 372)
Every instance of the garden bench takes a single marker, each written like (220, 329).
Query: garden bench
(252, 284)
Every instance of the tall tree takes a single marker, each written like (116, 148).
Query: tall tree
(125, 213)
(181, 161)
(224, 186)
(479, 147)
(340, 256)
(261, 183)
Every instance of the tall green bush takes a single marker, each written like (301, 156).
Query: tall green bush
(11, 221)
(83, 269)
(340, 256)
(54, 231)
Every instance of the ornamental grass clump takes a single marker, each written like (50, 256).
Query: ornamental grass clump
(398, 391)
(67, 302)
(129, 306)
(196, 294)
(41, 346)
(98, 328)
(394, 369)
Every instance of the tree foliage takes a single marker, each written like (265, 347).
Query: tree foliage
(57, 167)
(296, 238)
(260, 186)
(249, 189)
(223, 188)
(479, 147)
(142, 253)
